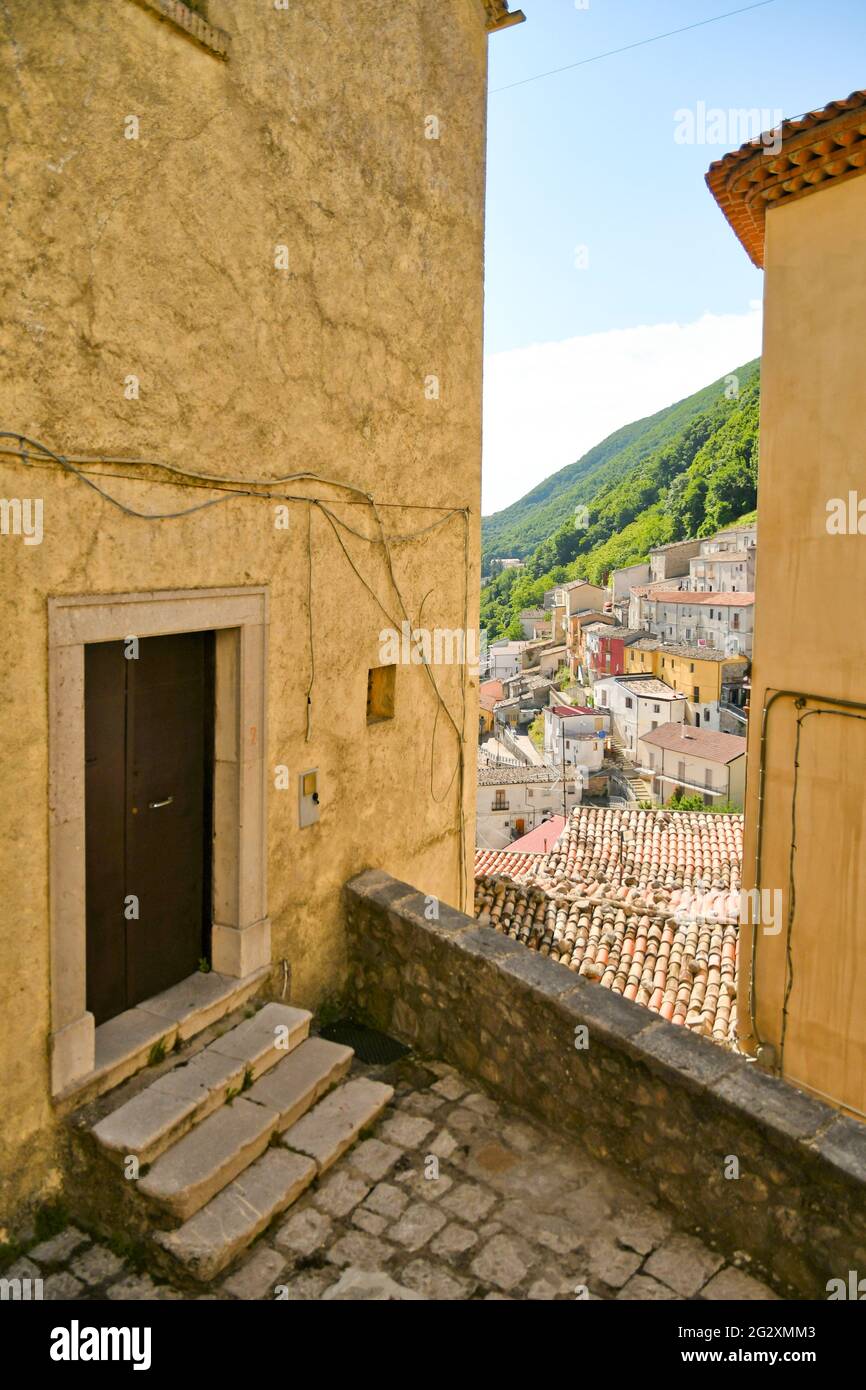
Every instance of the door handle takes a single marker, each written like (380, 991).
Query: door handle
(155, 805)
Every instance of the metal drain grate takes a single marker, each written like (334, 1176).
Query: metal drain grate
(370, 1046)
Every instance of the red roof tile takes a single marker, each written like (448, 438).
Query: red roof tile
(715, 600)
(645, 903)
(823, 147)
(516, 867)
(688, 740)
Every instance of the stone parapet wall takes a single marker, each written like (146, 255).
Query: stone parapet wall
(652, 1098)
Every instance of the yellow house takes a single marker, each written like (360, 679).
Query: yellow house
(240, 449)
(800, 213)
(705, 680)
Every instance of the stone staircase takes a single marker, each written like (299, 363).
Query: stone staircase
(201, 1159)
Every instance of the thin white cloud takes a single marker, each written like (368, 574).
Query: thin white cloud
(545, 405)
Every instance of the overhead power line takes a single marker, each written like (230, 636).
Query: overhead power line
(641, 43)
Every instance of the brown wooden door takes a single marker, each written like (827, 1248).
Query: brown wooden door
(148, 799)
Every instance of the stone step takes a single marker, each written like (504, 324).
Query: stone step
(148, 1124)
(262, 1041)
(160, 1115)
(329, 1129)
(300, 1079)
(200, 1164)
(211, 1239)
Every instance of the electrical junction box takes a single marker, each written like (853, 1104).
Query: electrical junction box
(308, 798)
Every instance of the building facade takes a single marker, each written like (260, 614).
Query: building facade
(514, 800)
(243, 297)
(638, 705)
(685, 761)
(801, 215)
(713, 684)
(723, 620)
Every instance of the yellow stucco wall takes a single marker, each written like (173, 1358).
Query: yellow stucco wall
(810, 638)
(156, 257)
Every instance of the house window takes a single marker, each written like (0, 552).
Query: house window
(629, 703)
(736, 621)
(529, 792)
(656, 709)
(499, 802)
(696, 692)
(381, 682)
(692, 667)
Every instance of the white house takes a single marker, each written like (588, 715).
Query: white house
(504, 659)
(730, 571)
(638, 705)
(680, 758)
(721, 620)
(575, 734)
(512, 800)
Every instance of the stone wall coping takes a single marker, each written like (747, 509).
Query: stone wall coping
(778, 1111)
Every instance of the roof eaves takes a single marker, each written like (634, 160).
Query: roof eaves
(820, 147)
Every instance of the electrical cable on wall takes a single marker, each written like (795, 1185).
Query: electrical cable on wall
(32, 452)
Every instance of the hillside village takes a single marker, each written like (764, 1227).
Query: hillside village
(636, 693)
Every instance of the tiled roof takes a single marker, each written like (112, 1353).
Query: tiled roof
(623, 634)
(566, 711)
(699, 743)
(514, 865)
(716, 600)
(647, 686)
(510, 776)
(689, 649)
(644, 903)
(823, 147)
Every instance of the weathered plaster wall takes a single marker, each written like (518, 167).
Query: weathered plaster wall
(810, 638)
(155, 257)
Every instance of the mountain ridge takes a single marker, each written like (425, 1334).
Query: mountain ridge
(686, 470)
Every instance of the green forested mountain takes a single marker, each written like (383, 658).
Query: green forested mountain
(685, 471)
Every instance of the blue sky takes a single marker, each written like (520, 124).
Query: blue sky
(587, 159)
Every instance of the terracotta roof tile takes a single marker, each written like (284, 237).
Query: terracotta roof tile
(515, 866)
(645, 903)
(821, 147)
(689, 740)
(714, 600)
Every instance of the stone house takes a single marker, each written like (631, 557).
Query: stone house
(243, 302)
(722, 620)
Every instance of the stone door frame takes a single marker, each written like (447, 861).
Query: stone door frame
(240, 923)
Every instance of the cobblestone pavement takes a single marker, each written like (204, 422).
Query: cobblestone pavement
(451, 1196)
